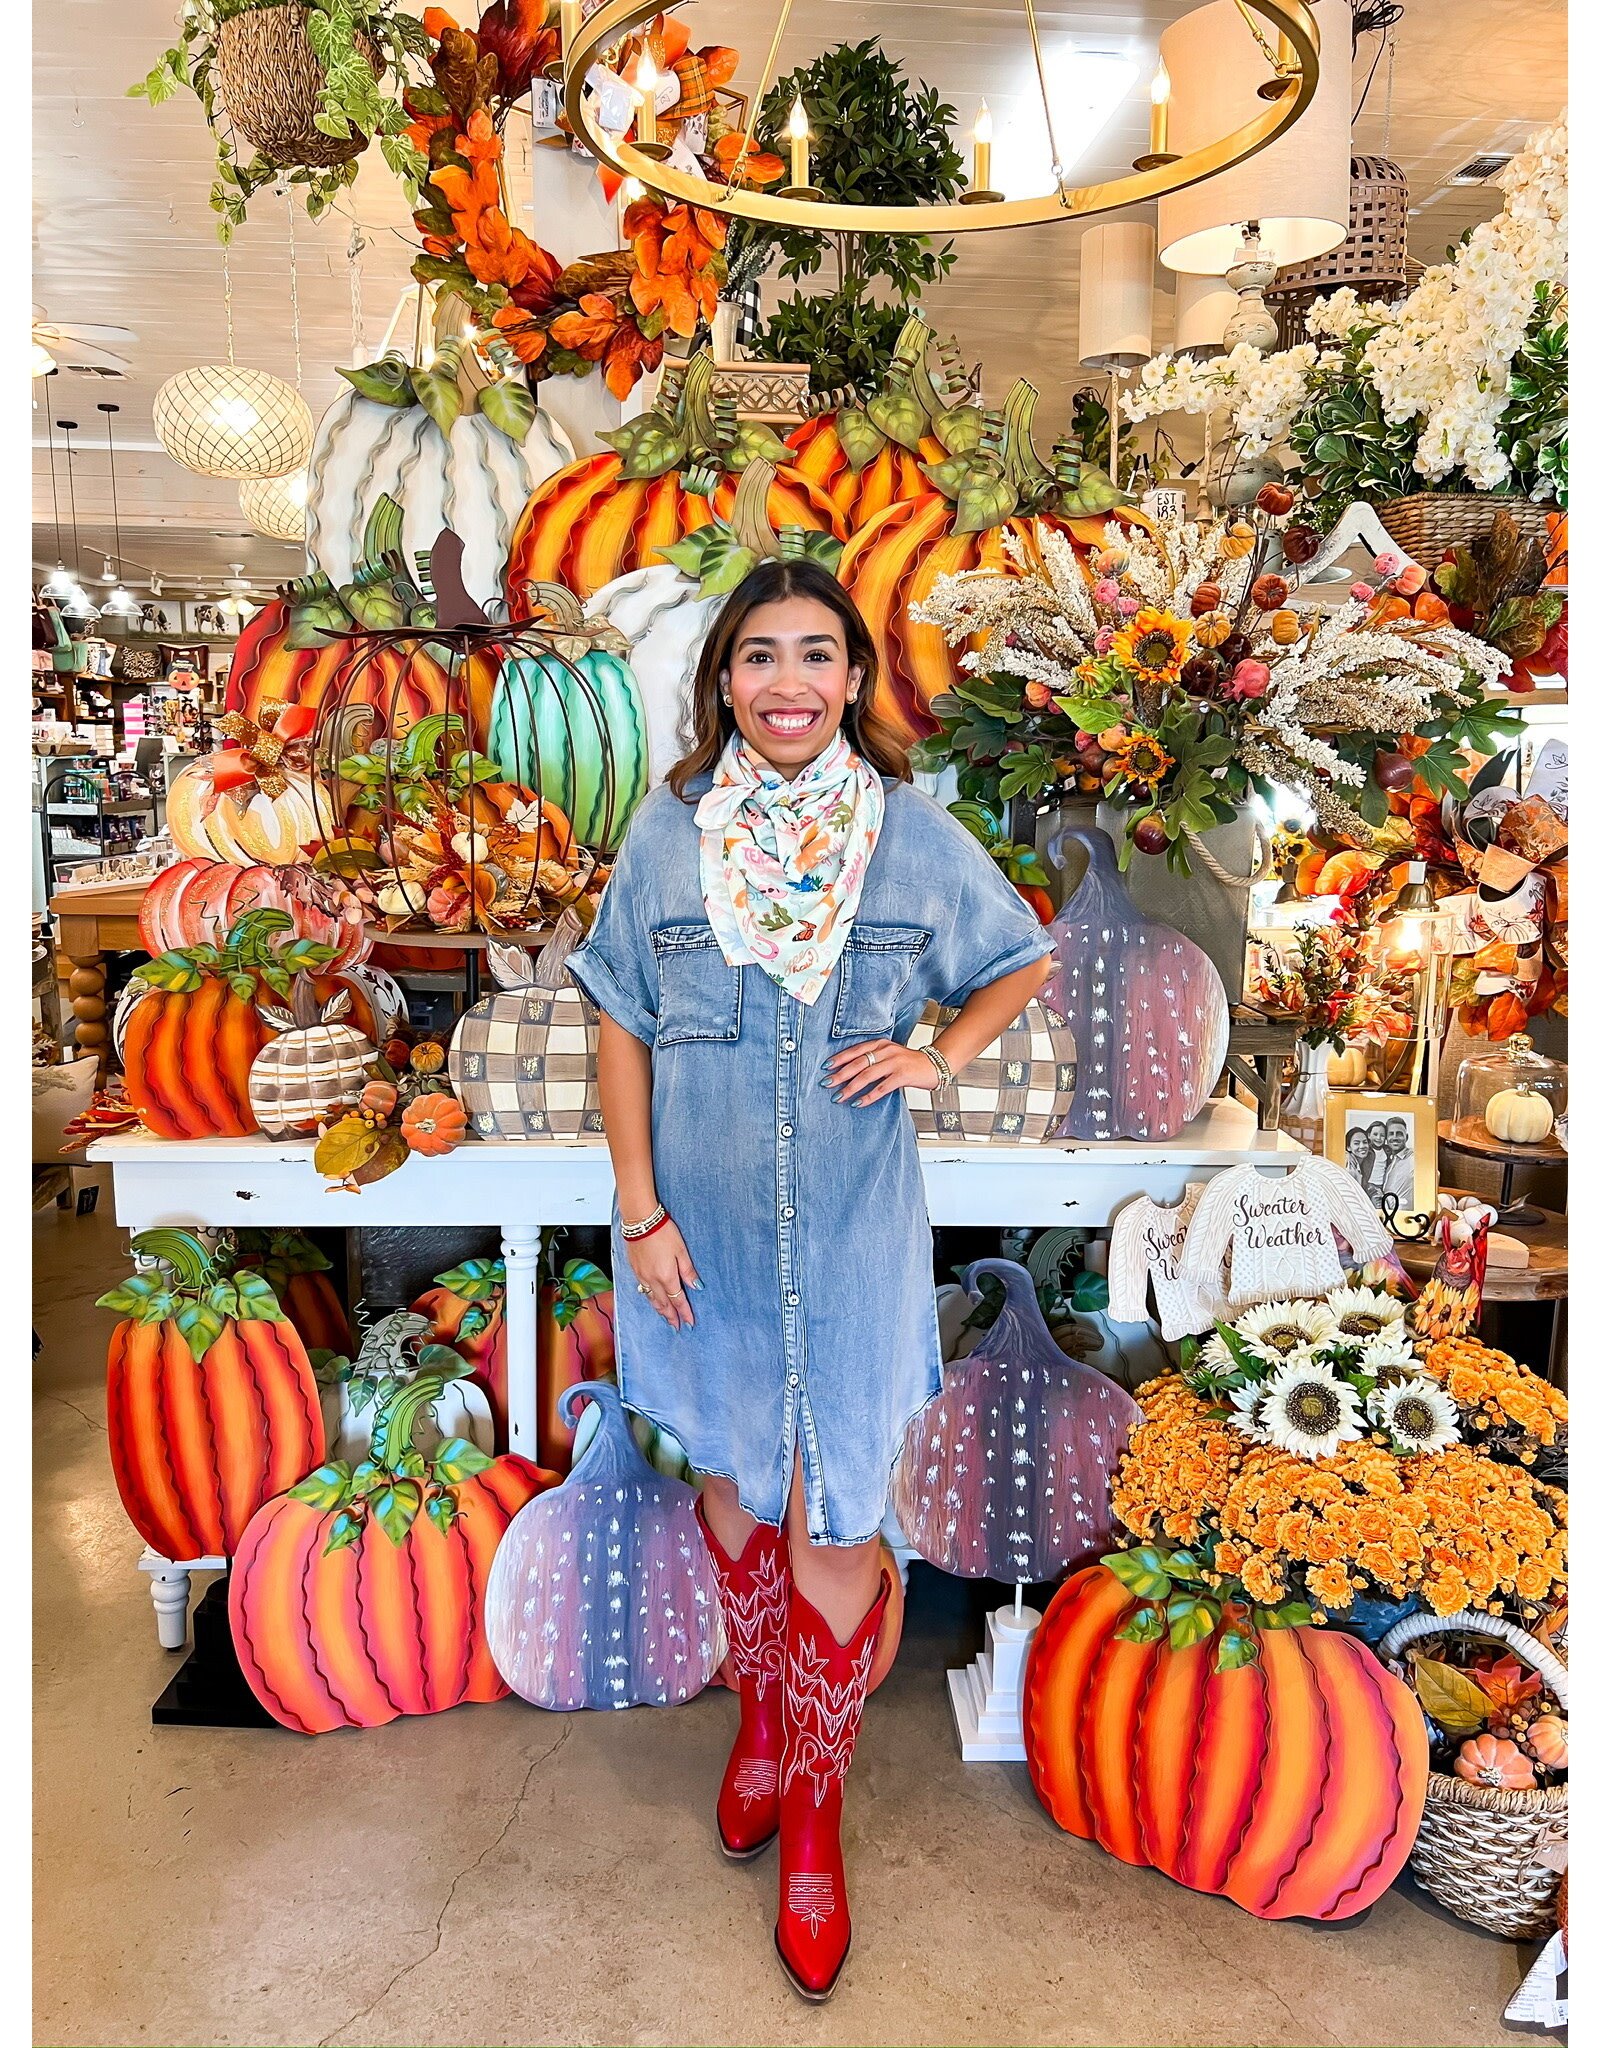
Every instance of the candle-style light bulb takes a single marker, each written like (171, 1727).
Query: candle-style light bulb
(1160, 93)
(982, 139)
(799, 145)
(648, 79)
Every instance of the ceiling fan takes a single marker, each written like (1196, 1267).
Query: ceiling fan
(78, 345)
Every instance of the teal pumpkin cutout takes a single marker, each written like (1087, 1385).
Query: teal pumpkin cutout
(571, 724)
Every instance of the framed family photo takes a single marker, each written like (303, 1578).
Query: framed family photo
(1389, 1143)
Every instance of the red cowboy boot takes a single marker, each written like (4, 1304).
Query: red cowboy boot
(755, 1605)
(824, 1690)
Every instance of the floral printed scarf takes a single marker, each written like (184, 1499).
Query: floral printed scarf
(782, 863)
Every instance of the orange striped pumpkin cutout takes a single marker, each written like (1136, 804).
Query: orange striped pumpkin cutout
(893, 475)
(357, 1636)
(589, 523)
(199, 1442)
(186, 1060)
(1292, 1785)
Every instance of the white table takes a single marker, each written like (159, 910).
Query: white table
(520, 1189)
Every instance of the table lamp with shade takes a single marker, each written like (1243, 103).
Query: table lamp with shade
(1116, 303)
(1288, 202)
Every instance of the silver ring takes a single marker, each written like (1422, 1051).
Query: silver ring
(643, 1289)
(871, 1058)
(674, 1294)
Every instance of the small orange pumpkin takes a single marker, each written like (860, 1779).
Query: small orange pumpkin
(1547, 1738)
(434, 1124)
(1499, 1766)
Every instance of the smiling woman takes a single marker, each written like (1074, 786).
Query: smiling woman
(779, 916)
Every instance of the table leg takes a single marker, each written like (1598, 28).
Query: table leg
(169, 1591)
(519, 1245)
(86, 991)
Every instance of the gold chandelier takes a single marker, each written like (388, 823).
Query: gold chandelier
(1295, 70)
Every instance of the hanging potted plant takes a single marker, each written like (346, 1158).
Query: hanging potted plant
(304, 85)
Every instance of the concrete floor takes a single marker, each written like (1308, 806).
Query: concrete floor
(497, 1875)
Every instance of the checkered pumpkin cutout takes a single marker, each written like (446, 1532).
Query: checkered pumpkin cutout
(1011, 1094)
(523, 1061)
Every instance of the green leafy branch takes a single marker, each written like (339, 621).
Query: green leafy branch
(1184, 1600)
(191, 1290)
(395, 1483)
(253, 955)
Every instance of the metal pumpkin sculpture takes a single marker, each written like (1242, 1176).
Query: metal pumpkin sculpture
(445, 446)
(193, 1028)
(602, 1593)
(298, 1272)
(1145, 1006)
(983, 508)
(675, 470)
(1014, 1093)
(253, 803)
(314, 1069)
(397, 1348)
(357, 1595)
(211, 1404)
(1280, 1766)
(197, 902)
(465, 1308)
(1006, 1474)
(524, 1061)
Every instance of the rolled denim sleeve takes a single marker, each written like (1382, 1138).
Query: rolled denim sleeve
(990, 931)
(616, 965)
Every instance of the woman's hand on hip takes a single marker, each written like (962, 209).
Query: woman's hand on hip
(663, 1272)
(867, 1072)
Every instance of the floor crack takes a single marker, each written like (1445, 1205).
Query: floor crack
(62, 1401)
(449, 1899)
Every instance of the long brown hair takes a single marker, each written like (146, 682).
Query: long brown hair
(713, 720)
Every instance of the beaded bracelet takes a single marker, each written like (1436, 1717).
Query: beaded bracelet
(654, 1221)
(941, 1066)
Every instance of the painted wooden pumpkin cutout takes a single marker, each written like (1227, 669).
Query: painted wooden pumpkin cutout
(211, 1404)
(465, 1309)
(1006, 1474)
(1146, 1007)
(297, 1272)
(314, 1069)
(602, 1594)
(1292, 1783)
(357, 1596)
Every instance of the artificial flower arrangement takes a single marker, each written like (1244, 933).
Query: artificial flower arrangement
(1311, 1454)
(406, 1106)
(1491, 1718)
(1333, 989)
(1186, 682)
(1460, 386)
(610, 310)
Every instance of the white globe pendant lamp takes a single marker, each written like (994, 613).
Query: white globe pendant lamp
(276, 506)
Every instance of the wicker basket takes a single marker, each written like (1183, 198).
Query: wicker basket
(1477, 1848)
(271, 83)
(1429, 523)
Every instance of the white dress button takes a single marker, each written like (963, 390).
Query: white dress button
(788, 1215)
(789, 1044)
(794, 1379)
(786, 1131)
(794, 1301)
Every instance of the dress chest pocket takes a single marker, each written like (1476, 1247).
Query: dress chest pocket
(700, 994)
(875, 971)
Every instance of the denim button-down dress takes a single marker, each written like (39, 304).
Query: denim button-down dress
(806, 1219)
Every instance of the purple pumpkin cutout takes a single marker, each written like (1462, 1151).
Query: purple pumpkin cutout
(607, 1599)
(1006, 1474)
(1146, 1007)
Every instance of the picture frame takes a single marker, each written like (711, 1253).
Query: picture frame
(1403, 1187)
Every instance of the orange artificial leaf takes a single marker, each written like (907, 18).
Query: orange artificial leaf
(1431, 610)
(480, 144)
(528, 340)
(588, 330)
(1507, 1682)
(628, 355)
(1507, 1013)
(760, 166)
(435, 21)
(664, 292)
(720, 61)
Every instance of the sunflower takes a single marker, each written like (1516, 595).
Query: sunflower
(1418, 1415)
(1307, 1410)
(1154, 645)
(1391, 1349)
(1279, 1330)
(1362, 1313)
(1136, 756)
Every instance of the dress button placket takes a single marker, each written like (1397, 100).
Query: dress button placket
(788, 1045)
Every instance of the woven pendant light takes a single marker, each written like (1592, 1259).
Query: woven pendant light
(220, 420)
(276, 505)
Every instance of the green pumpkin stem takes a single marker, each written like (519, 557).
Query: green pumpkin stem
(181, 1251)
